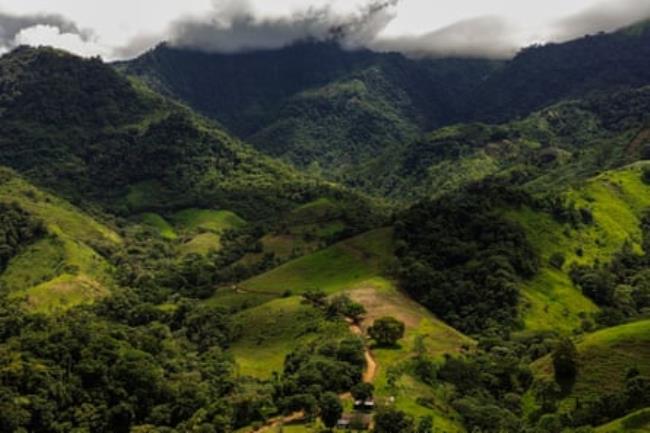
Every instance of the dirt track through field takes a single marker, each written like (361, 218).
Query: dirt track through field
(371, 365)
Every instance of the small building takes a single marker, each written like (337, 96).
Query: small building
(365, 405)
(354, 421)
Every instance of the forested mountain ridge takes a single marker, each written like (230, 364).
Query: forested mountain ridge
(315, 101)
(78, 126)
(547, 151)
(318, 104)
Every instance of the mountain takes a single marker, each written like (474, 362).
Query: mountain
(81, 128)
(314, 101)
(541, 75)
(328, 109)
(548, 150)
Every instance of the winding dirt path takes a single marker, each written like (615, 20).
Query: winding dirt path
(371, 365)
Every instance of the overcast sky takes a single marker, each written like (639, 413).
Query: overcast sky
(117, 29)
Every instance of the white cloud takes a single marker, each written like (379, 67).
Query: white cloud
(43, 34)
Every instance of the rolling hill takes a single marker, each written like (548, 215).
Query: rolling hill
(603, 359)
(63, 268)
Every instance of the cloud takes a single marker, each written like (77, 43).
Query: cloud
(488, 36)
(233, 26)
(12, 25)
(605, 16)
(44, 34)
(478, 28)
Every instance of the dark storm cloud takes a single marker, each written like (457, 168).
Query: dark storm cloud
(11, 25)
(606, 16)
(478, 37)
(235, 28)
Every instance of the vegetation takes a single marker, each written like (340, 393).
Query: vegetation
(159, 275)
(464, 261)
(386, 331)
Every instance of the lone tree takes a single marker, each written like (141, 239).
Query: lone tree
(362, 391)
(564, 360)
(386, 331)
(393, 421)
(330, 409)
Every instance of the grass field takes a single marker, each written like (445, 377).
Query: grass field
(202, 244)
(637, 422)
(204, 226)
(336, 268)
(617, 200)
(272, 330)
(71, 273)
(159, 223)
(206, 219)
(58, 215)
(305, 230)
(603, 359)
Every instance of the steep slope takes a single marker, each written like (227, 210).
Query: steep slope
(603, 360)
(542, 75)
(617, 200)
(315, 101)
(637, 422)
(548, 150)
(62, 268)
(320, 106)
(78, 126)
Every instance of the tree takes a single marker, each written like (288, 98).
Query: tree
(316, 298)
(330, 409)
(425, 425)
(386, 331)
(362, 391)
(557, 260)
(564, 360)
(393, 421)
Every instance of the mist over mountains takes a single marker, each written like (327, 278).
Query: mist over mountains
(460, 29)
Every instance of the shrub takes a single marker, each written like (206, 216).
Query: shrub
(557, 260)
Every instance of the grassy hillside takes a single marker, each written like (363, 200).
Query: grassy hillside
(276, 325)
(395, 377)
(160, 224)
(63, 269)
(603, 359)
(202, 228)
(336, 268)
(274, 329)
(617, 199)
(637, 422)
(210, 220)
(309, 227)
